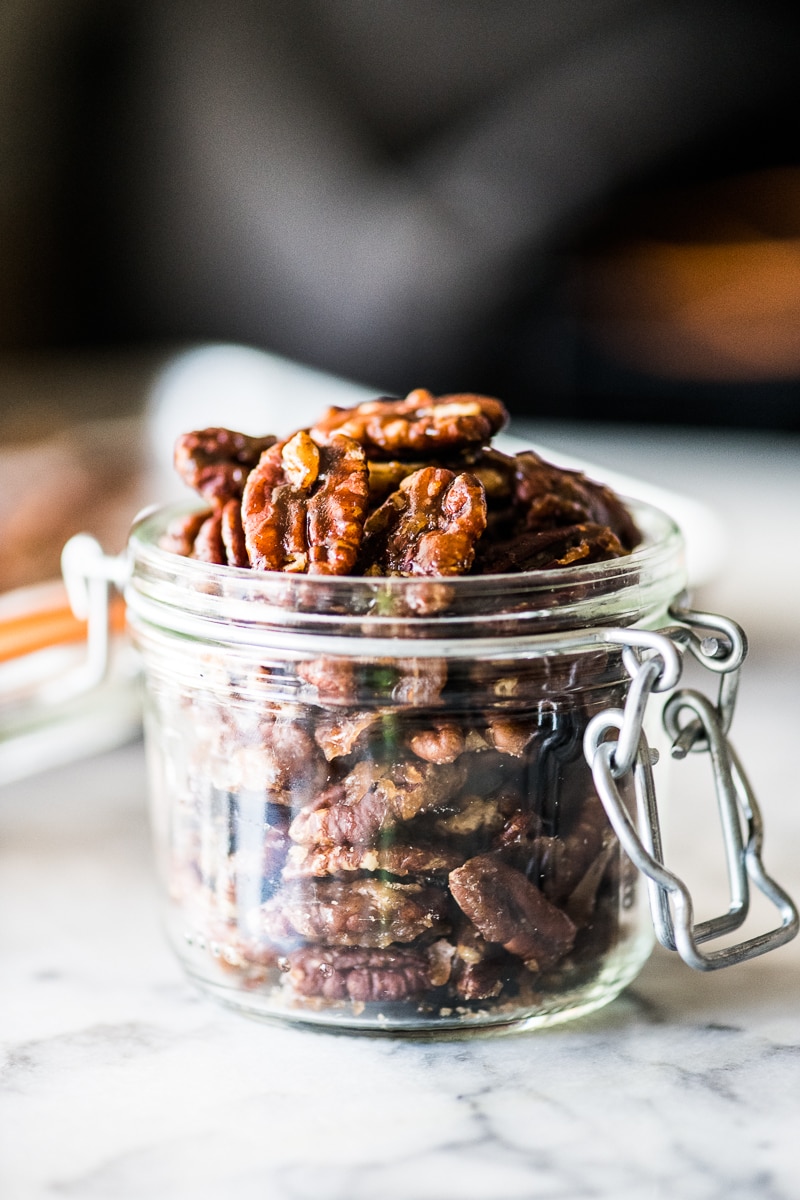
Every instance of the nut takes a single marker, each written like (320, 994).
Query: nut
(420, 424)
(429, 526)
(507, 908)
(216, 462)
(304, 506)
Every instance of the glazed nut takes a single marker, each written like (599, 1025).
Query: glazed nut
(428, 527)
(390, 975)
(372, 799)
(443, 743)
(304, 506)
(215, 462)
(422, 423)
(370, 913)
(507, 908)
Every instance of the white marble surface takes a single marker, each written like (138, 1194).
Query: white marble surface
(120, 1080)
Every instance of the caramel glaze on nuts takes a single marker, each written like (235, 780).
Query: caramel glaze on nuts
(392, 487)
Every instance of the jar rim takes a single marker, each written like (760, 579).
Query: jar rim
(169, 590)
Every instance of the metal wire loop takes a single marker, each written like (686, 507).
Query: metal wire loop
(611, 759)
(719, 656)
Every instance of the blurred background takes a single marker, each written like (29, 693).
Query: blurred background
(590, 208)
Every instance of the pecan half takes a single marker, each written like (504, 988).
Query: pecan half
(365, 912)
(506, 908)
(443, 742)
(397, 859)
(232, 533)
(208, 545)
(281, 760)
(479, 970)
(509, 735)
(181, 533)
(429, 526)
(406, 682)
(386, 477)
(420, 424)
(547, 549)
(547, 495)
(304, 506)
(366, 975)
(338, 735)
(333, 679)
(214, 536)
(216, 462)
(473, 815)
(374, 798)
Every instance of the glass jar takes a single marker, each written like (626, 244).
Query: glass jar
(371, 804)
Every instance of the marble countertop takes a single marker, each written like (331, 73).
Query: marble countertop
(120, 1080)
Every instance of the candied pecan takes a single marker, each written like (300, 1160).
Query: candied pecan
(419, 681)
(408, 787)
(547, 495)
(232, 532)
(510, 736)
(497, 473)
(361, 912)
(180, 534)
(235, 951)
(388, 975)
(338, 735)
(420, 424)
(483, 980)
(332, 678)
(396, 859)
(208, 545)
(429, 526)
(507, 908)
(386, 477)
(479, 970)
(474, 815)
(330, 820)
(520, 830)
(407, 682)
(443, 742)
(374, 798)
(216, 462)
(547, 549)
(304, 506)
(561, 862)
(284, 762)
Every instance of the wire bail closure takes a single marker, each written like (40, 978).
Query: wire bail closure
(721, 651)
(654, 662)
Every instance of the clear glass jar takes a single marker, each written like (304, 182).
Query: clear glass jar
(370, 800)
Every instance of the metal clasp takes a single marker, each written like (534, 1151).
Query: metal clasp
(706, 730)
(90, 576)
(73, 692)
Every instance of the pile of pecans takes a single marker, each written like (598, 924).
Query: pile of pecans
(409, 830)
(392, 487)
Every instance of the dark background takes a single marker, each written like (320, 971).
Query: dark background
(590, 209)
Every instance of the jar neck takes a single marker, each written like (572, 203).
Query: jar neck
(244, 607)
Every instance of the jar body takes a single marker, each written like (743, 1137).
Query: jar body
(371, 808)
